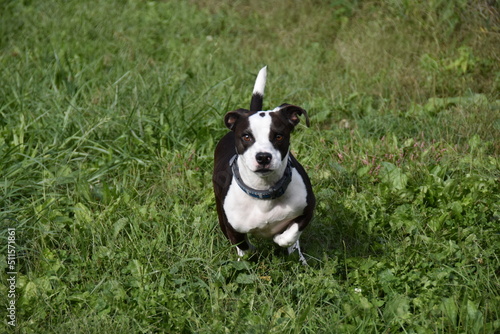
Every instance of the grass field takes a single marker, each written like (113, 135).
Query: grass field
(109, 115)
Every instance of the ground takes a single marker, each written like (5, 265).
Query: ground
(109, 115)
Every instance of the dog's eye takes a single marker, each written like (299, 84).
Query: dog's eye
(279, 137)
(246, 137)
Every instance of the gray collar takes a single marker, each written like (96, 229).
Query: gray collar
(274, 192)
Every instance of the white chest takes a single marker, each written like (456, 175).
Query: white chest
(265, 217)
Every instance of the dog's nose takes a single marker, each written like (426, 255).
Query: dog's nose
(263, 158)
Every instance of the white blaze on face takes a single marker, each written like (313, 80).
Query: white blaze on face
(260, 127)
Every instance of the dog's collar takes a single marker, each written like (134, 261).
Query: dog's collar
(274, 192)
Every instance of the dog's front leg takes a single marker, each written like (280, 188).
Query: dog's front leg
(243, 246)
(290, 239)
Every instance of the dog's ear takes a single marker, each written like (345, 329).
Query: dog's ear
(292, 113)
(232, 117)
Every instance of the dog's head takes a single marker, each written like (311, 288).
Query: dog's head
(262, 138)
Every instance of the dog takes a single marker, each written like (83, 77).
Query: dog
(260, 188)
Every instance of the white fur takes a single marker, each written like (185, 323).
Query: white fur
(260, 82)
(266, 218)
(260, 128)
(289, 237)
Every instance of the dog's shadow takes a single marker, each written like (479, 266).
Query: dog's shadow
(335, 233)
(338, 233)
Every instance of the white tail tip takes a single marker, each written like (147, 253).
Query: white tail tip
(260, 82)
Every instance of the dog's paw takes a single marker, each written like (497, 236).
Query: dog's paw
(296, 247)
(289, 237)
(242, 253)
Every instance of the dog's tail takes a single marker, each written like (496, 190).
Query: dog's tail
(258, 90)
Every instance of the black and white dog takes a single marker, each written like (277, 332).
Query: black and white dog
(260, 188)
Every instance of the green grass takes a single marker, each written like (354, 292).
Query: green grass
(109, 114)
